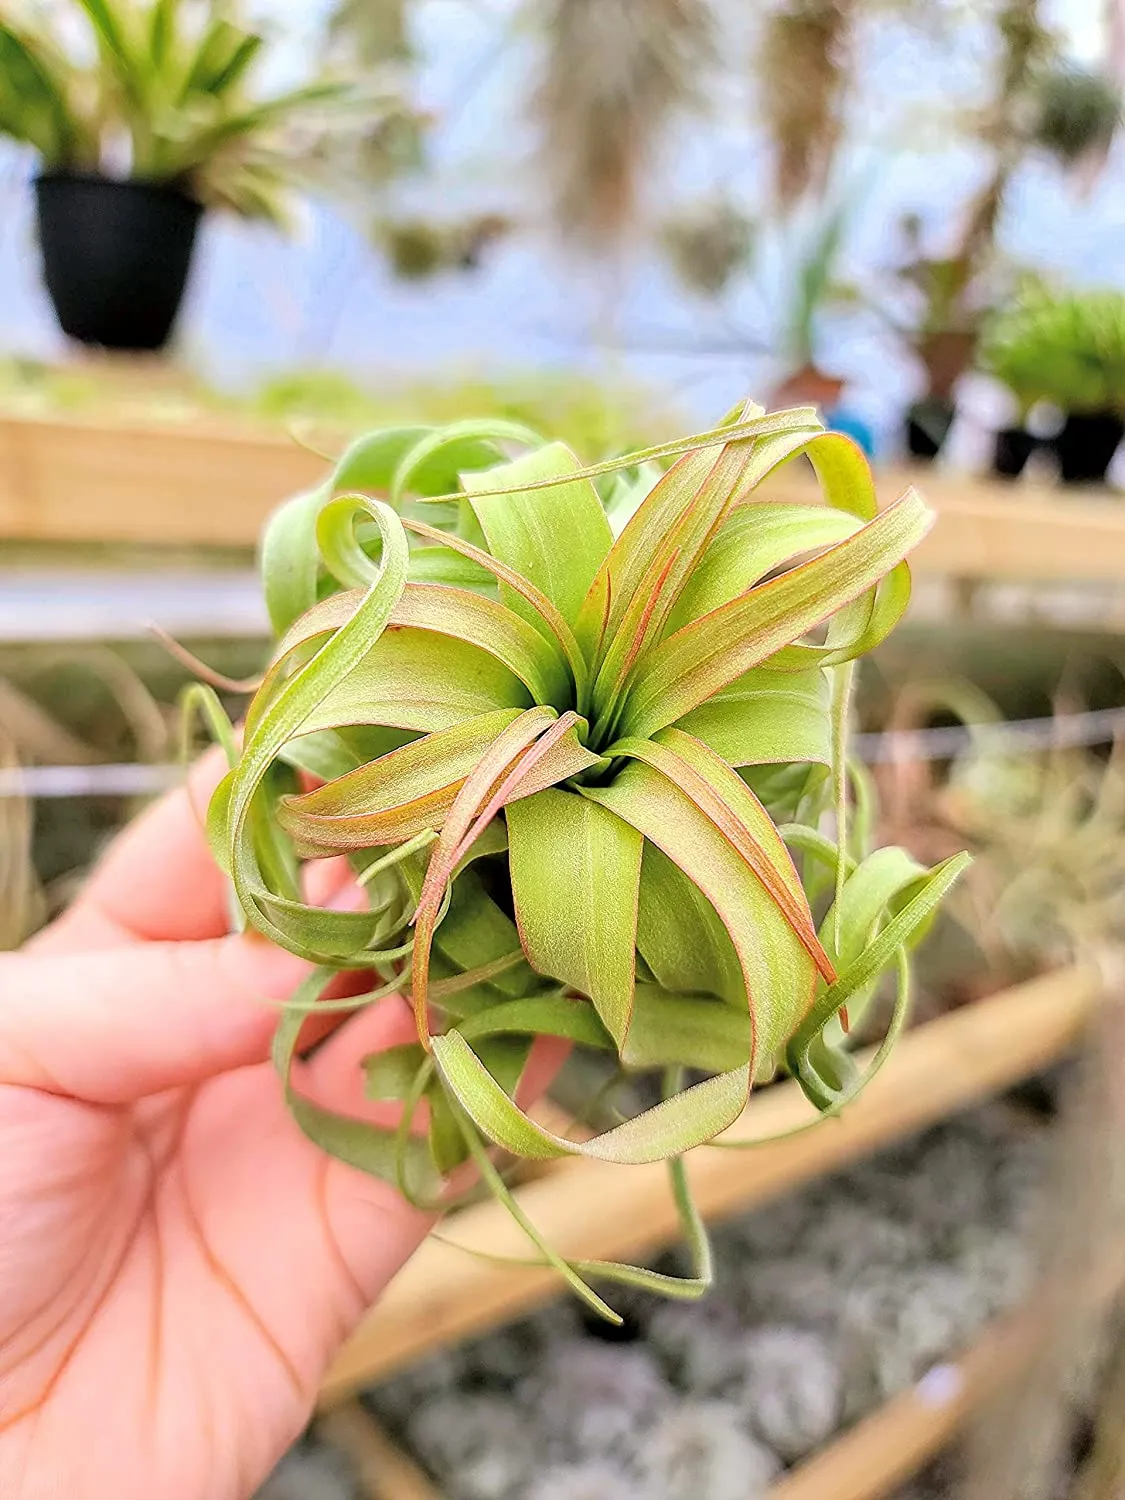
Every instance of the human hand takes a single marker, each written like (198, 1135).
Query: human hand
(177, 1262)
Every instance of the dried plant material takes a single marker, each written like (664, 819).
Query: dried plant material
(585, 764)
(1046, 828)
(21, 901)
(802, 71)
(615, 78)
(146, 723)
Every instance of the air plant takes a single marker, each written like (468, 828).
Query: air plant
(803, 67)
(415, 248)
(551, 754)
(709, 245)
(418, 249)
(1045, 826)
(615, 78)
(1065, 347)
(1078, 112)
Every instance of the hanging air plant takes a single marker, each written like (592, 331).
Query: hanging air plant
(581, 778)
(1077, 114)
(709, 246)
(615, 78)
(415, 248)
(371, 31)
(418, 249)
(802, 68)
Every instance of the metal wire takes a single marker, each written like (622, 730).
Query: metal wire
(1013, 737)
(88, 781)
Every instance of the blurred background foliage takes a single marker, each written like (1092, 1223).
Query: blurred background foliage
(649, 177)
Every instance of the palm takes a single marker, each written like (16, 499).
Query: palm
(176, 1267)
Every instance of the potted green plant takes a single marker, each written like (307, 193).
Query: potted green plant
(1018, 365)
(1067, 348)
(152, 123)
(940, 328)
(588, 768)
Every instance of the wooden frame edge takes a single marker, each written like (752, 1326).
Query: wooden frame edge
(594, 1210)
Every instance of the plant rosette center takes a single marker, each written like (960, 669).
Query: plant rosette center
(581, 733)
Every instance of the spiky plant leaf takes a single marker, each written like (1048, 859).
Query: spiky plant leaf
(549, 781)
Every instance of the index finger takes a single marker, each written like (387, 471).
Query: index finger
(157, 880)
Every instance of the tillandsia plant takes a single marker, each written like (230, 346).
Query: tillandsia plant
(568, 723)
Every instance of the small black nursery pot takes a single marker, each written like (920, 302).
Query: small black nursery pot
(1014, 446)
(1086, 445)
(116, 256)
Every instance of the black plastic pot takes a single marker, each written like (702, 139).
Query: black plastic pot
(116, 256)
(927, 423)
(1014, 446)
(1086, 445)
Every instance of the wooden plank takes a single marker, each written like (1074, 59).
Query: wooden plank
(989, 530)
(594, 1210)
(383, 1470)
(212, 482)
(66, 480)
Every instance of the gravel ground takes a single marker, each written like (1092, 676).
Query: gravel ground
(826, 1303)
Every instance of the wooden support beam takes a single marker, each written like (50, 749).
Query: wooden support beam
(593, 1210)
(383, 1470)
(211, 483)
